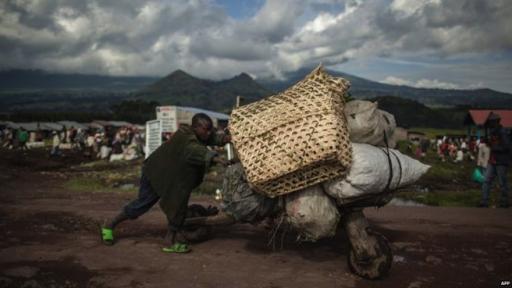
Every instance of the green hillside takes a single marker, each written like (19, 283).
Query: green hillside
(409, 113)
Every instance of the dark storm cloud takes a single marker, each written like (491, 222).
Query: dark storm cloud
(156, 37)
(449, 27)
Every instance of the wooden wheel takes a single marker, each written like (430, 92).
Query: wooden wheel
(372, 267)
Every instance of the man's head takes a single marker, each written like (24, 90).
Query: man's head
(202, 125)
(494, 120)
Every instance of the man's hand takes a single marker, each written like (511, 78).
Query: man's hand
(226, 139)
(227, 136)
(220, 160)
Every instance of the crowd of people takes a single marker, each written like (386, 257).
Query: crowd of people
(109, 143)
(126, 143)
(492, 155)
(14, 138)
(457, 149)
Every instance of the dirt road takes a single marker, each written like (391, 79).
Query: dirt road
(50, 239)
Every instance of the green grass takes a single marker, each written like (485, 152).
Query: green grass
(468, 198)
(448, 183)
(104, 176)
(431, 133)
(90, 184)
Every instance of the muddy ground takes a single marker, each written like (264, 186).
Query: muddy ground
(50, 238)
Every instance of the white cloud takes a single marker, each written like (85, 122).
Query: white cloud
(397, 81)
(156, 37)
(421, 83)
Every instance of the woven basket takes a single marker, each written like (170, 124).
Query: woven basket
(294, 139)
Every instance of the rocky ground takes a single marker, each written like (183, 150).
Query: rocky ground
(50, 238)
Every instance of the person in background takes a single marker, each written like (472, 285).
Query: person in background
(55, 144)
(105, 149)
(472, 148)
(23, 139)
(452, 148)
(483, 155)
(499, 159)
(459, 156)
(169, 175)
(89, 144)
(444, 150)
(424, 144)
(7, 141)
(71, 136)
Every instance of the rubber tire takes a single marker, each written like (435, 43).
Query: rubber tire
(378, 267)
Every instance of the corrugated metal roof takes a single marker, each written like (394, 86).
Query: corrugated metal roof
(479, 117)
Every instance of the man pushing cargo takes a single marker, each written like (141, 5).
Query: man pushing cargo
(169, 175)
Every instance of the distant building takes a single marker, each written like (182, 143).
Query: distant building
(477, 120)
(169, 119)
(415, 137)
(174, 116)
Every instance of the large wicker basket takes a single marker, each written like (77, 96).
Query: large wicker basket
(294, 139)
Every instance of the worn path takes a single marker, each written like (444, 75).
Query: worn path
(50, 237)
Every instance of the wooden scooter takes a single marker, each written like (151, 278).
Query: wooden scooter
(369, 255)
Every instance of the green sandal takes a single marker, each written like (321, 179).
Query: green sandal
(107, 236)
(177, 248)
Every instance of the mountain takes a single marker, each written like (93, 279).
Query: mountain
(409, 113)
(365, 89)
(180, 88)
(37, 90)
(19, 79)
(42, 91)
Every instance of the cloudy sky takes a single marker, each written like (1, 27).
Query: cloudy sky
(423, 43)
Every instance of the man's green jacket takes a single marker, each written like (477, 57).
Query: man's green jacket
(175, 169)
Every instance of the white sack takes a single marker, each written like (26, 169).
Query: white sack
(369, 173)
(312, 213)
(367, 124)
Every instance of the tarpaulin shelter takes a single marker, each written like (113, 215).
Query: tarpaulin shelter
(119, 124)
(50, 126)
(9, 124)
(101, 124)
(73, 124)
(29, 126)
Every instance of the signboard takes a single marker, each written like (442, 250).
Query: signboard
(153, 136)
(169, 117)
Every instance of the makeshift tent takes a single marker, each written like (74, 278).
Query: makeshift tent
(120, 124)
(73, 124)
(50, 126)
(9, 124)
(29, 126)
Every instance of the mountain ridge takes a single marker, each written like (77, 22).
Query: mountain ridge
(181, 88)
(362, 88)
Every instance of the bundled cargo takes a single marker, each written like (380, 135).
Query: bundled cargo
(241, 202)
(312, 213)
(367, 124)
(375, 170)
(294, 139)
